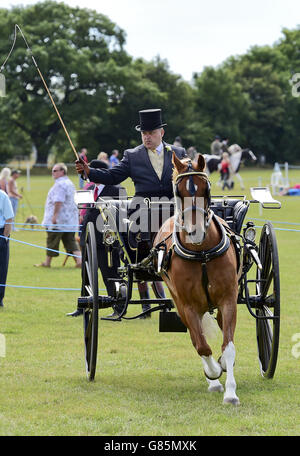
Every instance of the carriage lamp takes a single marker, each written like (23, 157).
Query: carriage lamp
(250, 232)
(109, 237)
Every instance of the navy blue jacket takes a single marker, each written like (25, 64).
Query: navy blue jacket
(137, 165)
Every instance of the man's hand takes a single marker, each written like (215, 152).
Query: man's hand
(82, 167)
(8, 228)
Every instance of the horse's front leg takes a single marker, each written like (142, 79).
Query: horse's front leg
(228, 356)
(227, 363)
(193, 322)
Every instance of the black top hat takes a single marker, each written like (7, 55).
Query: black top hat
(150, 119)
(98, 164)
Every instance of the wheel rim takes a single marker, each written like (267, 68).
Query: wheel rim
(90, 290)
(268, 289)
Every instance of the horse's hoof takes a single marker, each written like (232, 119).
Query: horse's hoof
(215, 389)
(231, 400)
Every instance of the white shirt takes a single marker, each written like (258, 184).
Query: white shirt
(63, 192)
(6, 210)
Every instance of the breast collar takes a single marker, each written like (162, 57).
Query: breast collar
(203, 256)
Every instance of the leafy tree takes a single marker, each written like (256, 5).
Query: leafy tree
(289, 48)
(74, 49)
(147, 85)
(221, 106)
(259, 74)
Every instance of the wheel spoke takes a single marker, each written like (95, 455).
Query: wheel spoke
(89, 276)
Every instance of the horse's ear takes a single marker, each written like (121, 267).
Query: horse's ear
(177, 163)
(201, 162)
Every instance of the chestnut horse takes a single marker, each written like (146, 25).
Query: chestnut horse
(202, 270)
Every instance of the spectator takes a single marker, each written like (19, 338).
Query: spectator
(113, 160)
(225, 145)
(61, 217)
(216, 146)
(149, 165)
(192, 153)
(14, 195)
(177, 141)
(225, 170)
(103, 157)
(4, 178)
(6, 218)
(83, 155)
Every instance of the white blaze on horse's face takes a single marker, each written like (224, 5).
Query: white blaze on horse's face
(188, 184)
(194, 219)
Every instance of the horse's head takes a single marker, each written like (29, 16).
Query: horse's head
(192, 194)
(247, 154)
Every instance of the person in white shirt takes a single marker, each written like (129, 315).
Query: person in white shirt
(61, 217)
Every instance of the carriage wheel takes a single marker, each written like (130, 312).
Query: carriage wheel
(89, 274)
(268, 290)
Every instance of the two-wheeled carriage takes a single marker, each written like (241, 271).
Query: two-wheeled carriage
(139, 264)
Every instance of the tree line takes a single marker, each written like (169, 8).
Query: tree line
(252, 99)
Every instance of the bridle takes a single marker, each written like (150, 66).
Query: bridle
(192, 189)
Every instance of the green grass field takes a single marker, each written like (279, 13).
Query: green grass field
(147, 383)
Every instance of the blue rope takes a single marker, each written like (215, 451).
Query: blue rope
(47, 231)
(48, 288)
(274, 221)
(40, 247)
(40, 288)
(39, 224)
(281, 229)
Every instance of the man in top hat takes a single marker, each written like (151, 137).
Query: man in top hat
(149, 165)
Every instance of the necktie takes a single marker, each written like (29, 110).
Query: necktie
(95, 193)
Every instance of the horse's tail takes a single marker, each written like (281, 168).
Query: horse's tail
(210, 326)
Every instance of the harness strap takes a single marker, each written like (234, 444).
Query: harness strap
(205, 283)
(203, 255)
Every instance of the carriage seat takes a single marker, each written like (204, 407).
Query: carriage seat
(233, 211)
